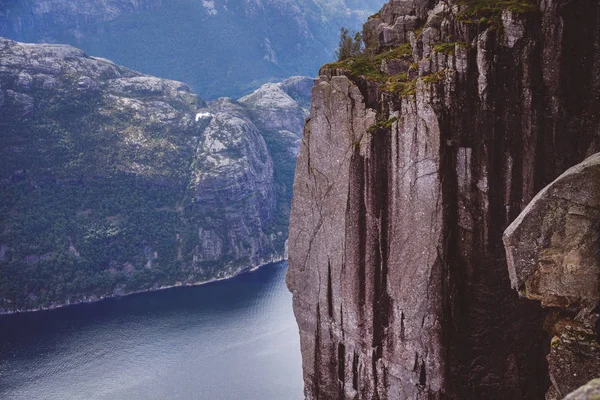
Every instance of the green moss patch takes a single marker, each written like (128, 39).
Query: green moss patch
(384, 124)
(489, 11)
(450, 48)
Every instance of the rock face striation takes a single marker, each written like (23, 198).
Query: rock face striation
(416, 157)
(115, 182)
(553, 254)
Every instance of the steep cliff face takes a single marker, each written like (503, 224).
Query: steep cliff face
(416, 157)
(114, 182)
(218, 47)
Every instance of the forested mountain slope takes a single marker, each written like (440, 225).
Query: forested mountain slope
(114, 181)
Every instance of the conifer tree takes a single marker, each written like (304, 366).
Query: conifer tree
(350, 44)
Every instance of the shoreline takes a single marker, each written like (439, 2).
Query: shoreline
(245, 270)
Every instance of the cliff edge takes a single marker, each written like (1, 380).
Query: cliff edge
(417, 155)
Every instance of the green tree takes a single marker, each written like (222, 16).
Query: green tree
(370, 42)
(350, 44)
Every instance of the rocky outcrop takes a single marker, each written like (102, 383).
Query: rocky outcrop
(222, 48)
(406, 182)
(590, 391)
(552, 247)
(281, 107)
(115, 182)
(279, 111)
(233, 171)
(553, 253)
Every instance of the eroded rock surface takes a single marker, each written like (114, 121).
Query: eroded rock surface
(406, 183)
(281, 108)
(589, 391)
(553, 247)
(553, 253)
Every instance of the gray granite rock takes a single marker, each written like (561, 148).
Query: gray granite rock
(553, 246)
(397, 265)
(589, 391)
(553, 254)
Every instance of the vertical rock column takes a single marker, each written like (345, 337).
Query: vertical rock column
(368, 213)
(397, 266)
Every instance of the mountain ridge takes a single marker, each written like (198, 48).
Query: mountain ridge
(220, 48)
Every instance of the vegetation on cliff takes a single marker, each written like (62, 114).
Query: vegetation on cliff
(362, 56)
(400, 280)
(490, 11)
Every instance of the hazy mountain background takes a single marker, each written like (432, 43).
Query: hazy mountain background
(218, 47)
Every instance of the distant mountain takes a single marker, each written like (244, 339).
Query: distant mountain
(114, 182)
(218, 47)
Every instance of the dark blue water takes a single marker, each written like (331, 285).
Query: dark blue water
(229, 340)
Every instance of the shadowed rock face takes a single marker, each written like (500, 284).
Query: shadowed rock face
(553, 253)
(397, 266)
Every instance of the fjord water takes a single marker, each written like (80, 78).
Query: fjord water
(234, 339)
